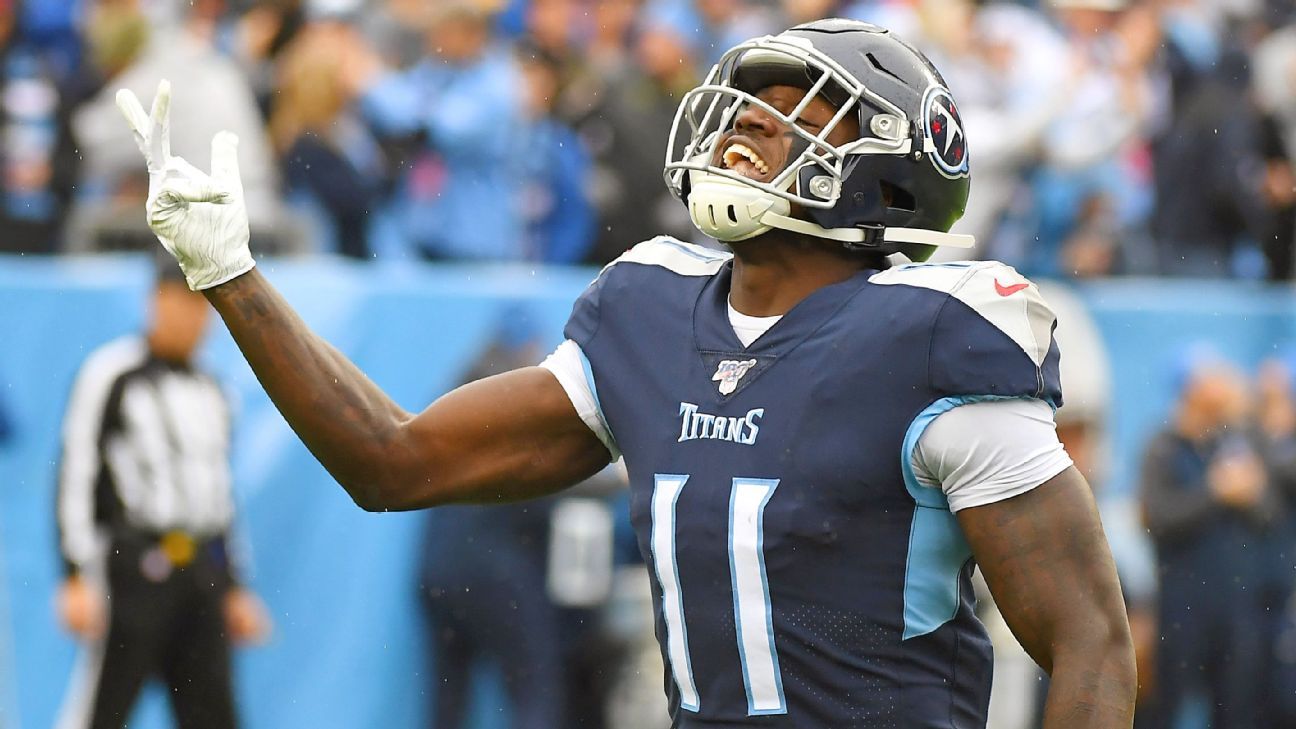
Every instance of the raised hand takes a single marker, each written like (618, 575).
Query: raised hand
(200, 218)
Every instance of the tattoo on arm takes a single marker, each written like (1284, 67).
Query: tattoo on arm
(342, 417)
(1046, 560)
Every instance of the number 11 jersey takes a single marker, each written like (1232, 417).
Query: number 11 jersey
(802, 575)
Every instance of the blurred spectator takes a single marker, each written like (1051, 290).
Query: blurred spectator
(1211, 136)
(144, 510)
(614, 24)
(1054, 107)
(257, 38)
(554, 28)
(1093, 187)
(521, 586)
(460, 196)
(331, 162)
(1278, 188)
(1207, 504)
(38, 156)
(628, 143)
(1273, 64)
(397, 29)
(53, 26)
(1276, 421)
(901, 17)
(711, 27)
(216, 95)
(796, 12)
(558, 215)
(558, 29)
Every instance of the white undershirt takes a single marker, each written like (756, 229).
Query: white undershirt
(977, 453)
(749, 328)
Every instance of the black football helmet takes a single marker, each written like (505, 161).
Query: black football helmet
(898, 188)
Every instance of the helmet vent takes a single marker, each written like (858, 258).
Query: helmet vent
(878, 65)
(733, 214)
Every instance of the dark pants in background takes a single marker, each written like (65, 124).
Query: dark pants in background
(485, 592)
(166, 623)
(511, 624)
(1212, 654)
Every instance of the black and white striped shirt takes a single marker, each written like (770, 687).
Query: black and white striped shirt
(145, 450)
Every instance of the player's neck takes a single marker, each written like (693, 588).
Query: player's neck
(774, 273)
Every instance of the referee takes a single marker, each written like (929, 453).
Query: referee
(144, 509)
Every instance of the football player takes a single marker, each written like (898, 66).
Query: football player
(821, 446)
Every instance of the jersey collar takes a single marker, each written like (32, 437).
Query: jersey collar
(713, 334)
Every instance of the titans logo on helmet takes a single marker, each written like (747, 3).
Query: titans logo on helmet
(945, 129)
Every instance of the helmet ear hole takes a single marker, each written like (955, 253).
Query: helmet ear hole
(733, 214)
(898, 198)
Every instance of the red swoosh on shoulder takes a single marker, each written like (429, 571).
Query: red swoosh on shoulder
(1008, 290)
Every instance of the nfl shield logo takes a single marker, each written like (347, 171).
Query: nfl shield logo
(729, 372)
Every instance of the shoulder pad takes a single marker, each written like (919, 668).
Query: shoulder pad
(685, 259)
(662, 253)
(994, 290)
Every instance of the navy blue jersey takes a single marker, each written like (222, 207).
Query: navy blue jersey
(802, 576)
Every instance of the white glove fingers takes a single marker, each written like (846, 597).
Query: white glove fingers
(224, 161)
(159, 136)
(130, 107)
(179, 168)
(183, 192)
(199, 218)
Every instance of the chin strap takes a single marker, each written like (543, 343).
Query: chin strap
(869, 237)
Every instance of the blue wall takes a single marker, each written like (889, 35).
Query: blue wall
(348, 646)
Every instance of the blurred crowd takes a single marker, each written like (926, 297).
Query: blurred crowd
(1143, 137)
(1218, 493)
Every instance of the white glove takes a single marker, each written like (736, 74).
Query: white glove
(199, 218)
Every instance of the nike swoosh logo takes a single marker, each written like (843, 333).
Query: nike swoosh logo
(1009, 290)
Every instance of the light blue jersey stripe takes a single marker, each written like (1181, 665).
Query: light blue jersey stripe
(598, 404)
(937, 549)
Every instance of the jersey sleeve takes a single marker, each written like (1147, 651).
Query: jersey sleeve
(987, 451)
(994, 338)
(569, 366)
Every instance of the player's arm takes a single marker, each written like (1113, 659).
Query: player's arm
(507, 437)
(511, 436)
(1047, 562)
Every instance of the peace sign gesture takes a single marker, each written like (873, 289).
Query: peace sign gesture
(200, 218)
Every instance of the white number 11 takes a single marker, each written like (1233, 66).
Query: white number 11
(752, 614)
